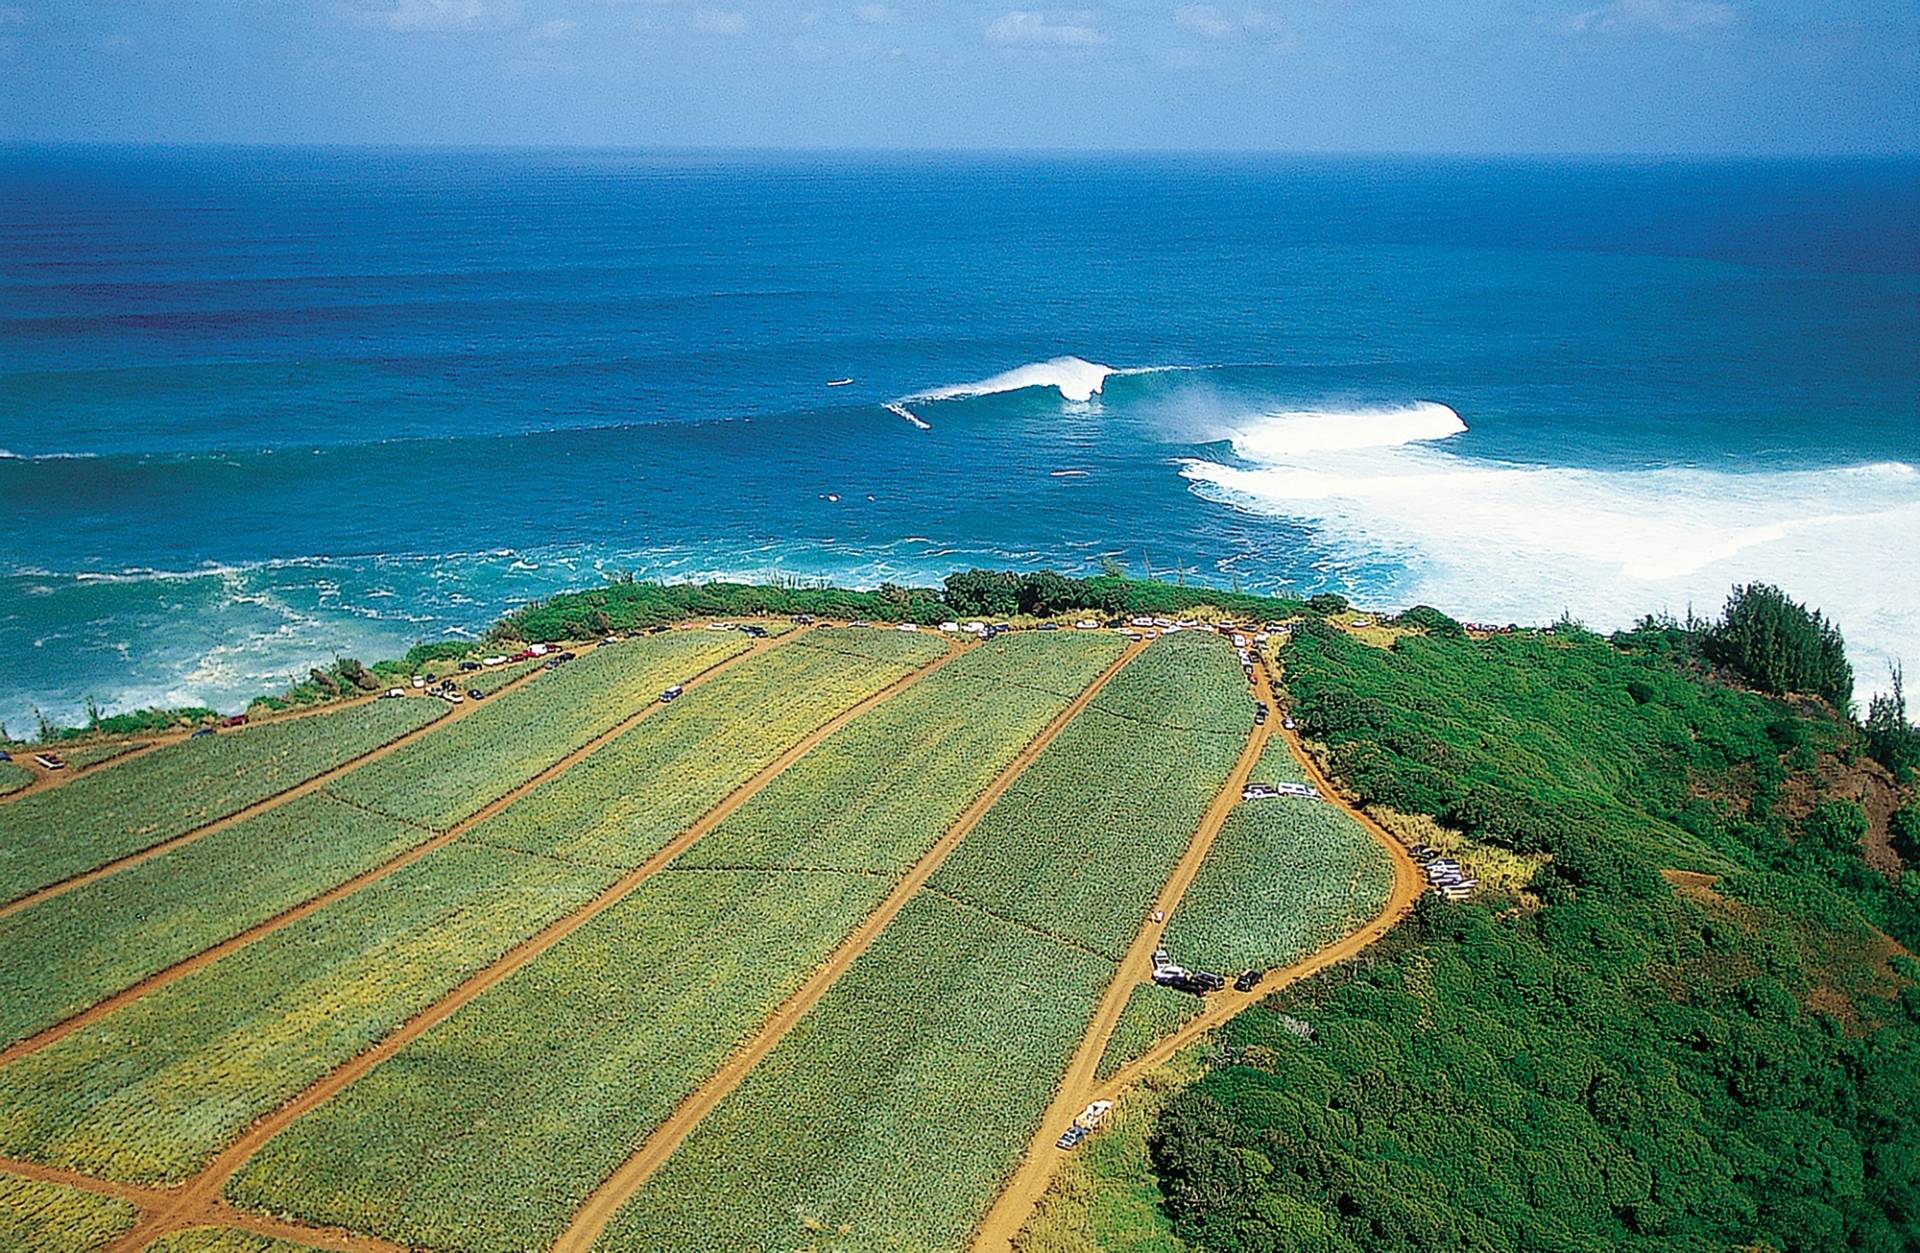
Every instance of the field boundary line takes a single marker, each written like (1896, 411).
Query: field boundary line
(1022, 1190)
(312, 783)
(1021, 1195)
(1064, 941)
(591, 1218)
(373, 874)
(200, 1196)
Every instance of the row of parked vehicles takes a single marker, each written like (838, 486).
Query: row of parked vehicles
(1447, 877)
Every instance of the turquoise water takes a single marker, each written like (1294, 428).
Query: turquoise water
(260, 407)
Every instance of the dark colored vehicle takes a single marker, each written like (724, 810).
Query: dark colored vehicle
(469, 665)
(803, 619)
(566, 656)
(658, 628)
(1260, 716)
(1248, 980)
(1072, 1137)
(671, 694)
(474, 693)
(1209, 980)
(1049, 626)
(553, 663)
(757, 632)
(203, 731)
(1116, 622)
(5, 755)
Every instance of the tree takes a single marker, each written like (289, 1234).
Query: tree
(987, 593)
(1892, 740)
(1781, 646)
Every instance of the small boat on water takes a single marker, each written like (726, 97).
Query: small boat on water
(838, 382)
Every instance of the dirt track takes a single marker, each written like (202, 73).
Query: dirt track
(599, 1208)
(188, 965)
(1017, 1200)
(198, 1201)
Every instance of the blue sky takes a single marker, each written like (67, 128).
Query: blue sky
(1724, 76)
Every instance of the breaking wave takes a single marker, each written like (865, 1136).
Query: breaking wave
(1523, 542)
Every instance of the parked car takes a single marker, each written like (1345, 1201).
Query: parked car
(48, 761)
(467, 666)
(419, 680)
(202, 733)
(1248, 980)
(474, 693)
(1093, 1115)
(234, 720)
(1072, 1137)
(453, 698)
(5, 755)
(803, 619)
(671, 694)
(1287, 723)
(393, 692)
(1049, 626)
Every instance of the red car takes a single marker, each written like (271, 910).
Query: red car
(234, 720)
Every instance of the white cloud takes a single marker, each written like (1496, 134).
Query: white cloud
(557, 29)
(1027, 28)
(1662, 17)
(436, 15)
(874, 14)
(720, 22)
(1204, 19)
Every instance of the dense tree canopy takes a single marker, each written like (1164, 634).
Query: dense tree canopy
(1609, 1062)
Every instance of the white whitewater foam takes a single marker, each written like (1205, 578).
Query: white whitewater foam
(1075, 378)
(894, 406)
(1510, 542)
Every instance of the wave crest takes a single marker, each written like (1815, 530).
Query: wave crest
(1074, 377)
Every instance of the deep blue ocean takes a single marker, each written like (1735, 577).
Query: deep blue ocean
(263, 407)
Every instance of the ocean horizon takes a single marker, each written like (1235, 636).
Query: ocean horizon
(269, 406)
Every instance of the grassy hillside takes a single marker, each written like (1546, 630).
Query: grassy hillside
(1616, 1058)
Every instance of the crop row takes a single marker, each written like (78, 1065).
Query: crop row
(1283, 879)
(487, 1131)
(877, 793)
(152, 1090)
(623, 802)
(1150, 1015)
(1185, 682)
(1083, 840)
(13, 777)
(890, 1115)
(49, 836)
(37, 1217)
(221, 1240)
(70, 951)
(443, 778)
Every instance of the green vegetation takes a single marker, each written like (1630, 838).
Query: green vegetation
(1283, 879)
(1150, 1015)
(627, 604)
(889, 1116)
(132, 722)
(49, 836)
(75, 949)
(443, 778)
(627, 1015)
(38, 1217)
(602, 1037)
(1891, 738)
(621, 804)
(1781, 646)
(154, 1089)
(878, 793)
(1104, 1198)
(13, 777)
(95, 754)
(1617, 1064)
(1083, 840)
